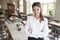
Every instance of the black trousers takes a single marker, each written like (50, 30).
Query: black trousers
(32, 38)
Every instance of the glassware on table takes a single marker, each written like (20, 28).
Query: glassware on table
(18, 26)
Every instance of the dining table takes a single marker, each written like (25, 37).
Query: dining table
(15, 34)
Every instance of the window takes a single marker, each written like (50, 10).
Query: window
(48, 6)
(21, 6)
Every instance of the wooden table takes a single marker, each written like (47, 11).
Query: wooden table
(56, 26)
(55, 23)
(16, 35)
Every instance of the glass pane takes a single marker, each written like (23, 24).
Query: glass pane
(21, 9)
(31, 9)
(21, 6)
(44, 9)
(48, 1)
(21, 2)
(51, 9)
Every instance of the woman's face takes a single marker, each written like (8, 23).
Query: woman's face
(36, 11)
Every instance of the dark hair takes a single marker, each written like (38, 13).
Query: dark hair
(39, 5)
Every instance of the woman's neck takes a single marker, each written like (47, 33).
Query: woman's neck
(37, 17)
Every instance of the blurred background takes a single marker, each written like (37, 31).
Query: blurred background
(14, 15)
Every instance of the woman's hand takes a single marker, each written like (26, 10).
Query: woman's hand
(30, 30)
(41, 30)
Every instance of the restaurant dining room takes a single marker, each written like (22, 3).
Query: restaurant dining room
(29, 19)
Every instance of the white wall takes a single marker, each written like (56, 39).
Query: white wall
(57, 11)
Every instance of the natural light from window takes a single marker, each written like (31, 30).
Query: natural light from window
(48, 6)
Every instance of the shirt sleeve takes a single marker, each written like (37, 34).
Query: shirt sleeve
(27, 27)
(45, 31)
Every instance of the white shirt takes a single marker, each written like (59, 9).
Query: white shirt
(36, 27)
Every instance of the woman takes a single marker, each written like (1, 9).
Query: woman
(37, 26)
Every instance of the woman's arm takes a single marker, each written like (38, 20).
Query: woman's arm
(45, 31)
(28, 30)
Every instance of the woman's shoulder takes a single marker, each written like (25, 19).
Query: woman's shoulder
(45, 19)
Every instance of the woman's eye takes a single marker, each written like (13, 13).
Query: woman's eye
(37, 9)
